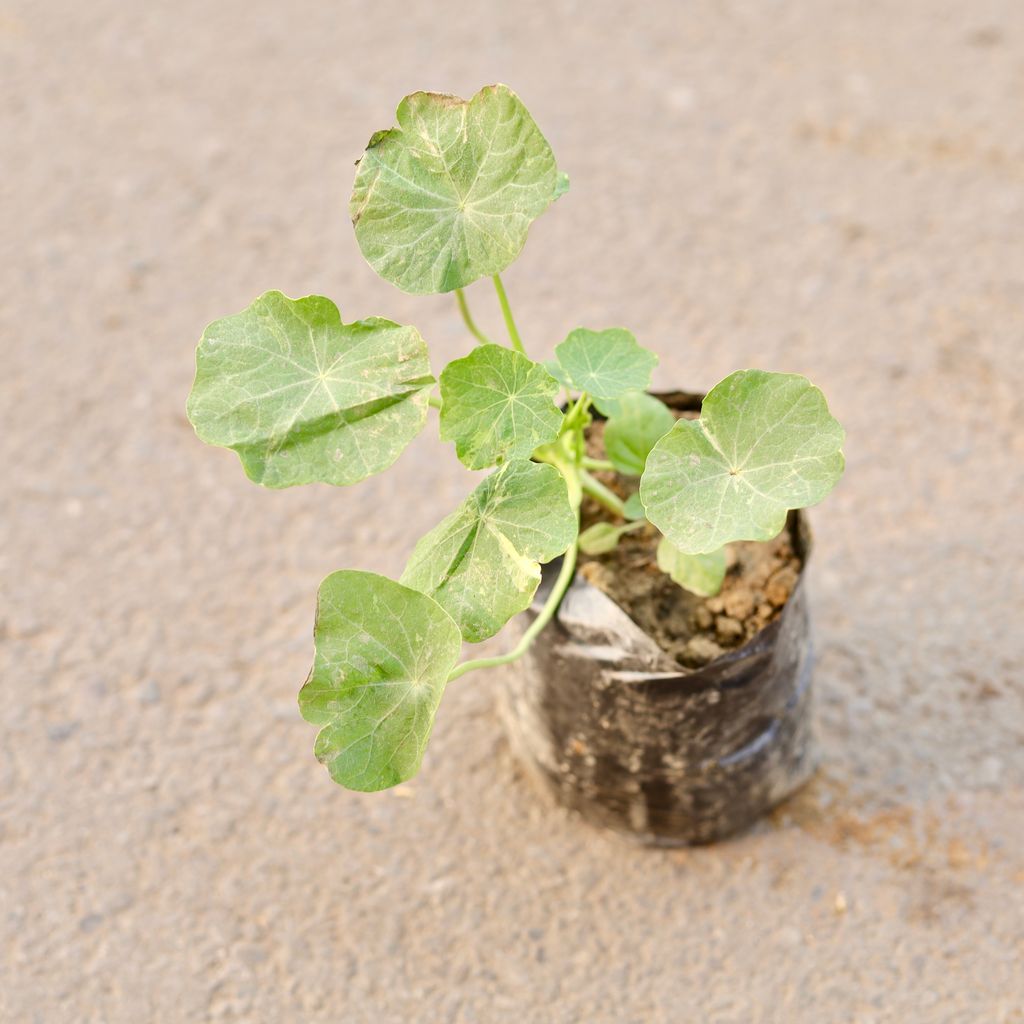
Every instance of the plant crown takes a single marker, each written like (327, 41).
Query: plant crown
(444, 199)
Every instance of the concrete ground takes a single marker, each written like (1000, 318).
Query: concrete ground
(834, 187)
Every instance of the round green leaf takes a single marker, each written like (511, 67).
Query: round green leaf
(605, 364)
(633, 430)
(383, 654)
(765, 443)
(302, 397)
(497, 406)
(481, 563)
(449, 194)
(700, 574)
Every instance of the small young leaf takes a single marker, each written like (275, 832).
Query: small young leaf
(765, 443)
(629, 435)
(700, 574)
(601, 538)
(605, 364)
(302, 397)
(448, 196)
(498, 406)
(481, 562)
(634, 507)
(383, 654)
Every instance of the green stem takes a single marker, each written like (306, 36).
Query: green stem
(506, 312)
(600, 493)
(460, 297)
(434, 401)
(543, 618)
(574, 423)
(597, 464)
(575, 413)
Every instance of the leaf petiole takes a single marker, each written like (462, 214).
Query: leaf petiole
(574, 421)
(434, 401)
(602, 494)
(506, 312)
(543, 618)
(597, 464)
(460, 297)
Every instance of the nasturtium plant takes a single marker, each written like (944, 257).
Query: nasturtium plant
(442, 199)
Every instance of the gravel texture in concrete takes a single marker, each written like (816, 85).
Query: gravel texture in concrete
(834, 187)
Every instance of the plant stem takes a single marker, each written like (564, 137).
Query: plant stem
(460, 297)
(600, 493)
(574, 423)
(575, 412)
(636, 524)
(597, 464)
(434, 401)
(543, 618)
(506, 312)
